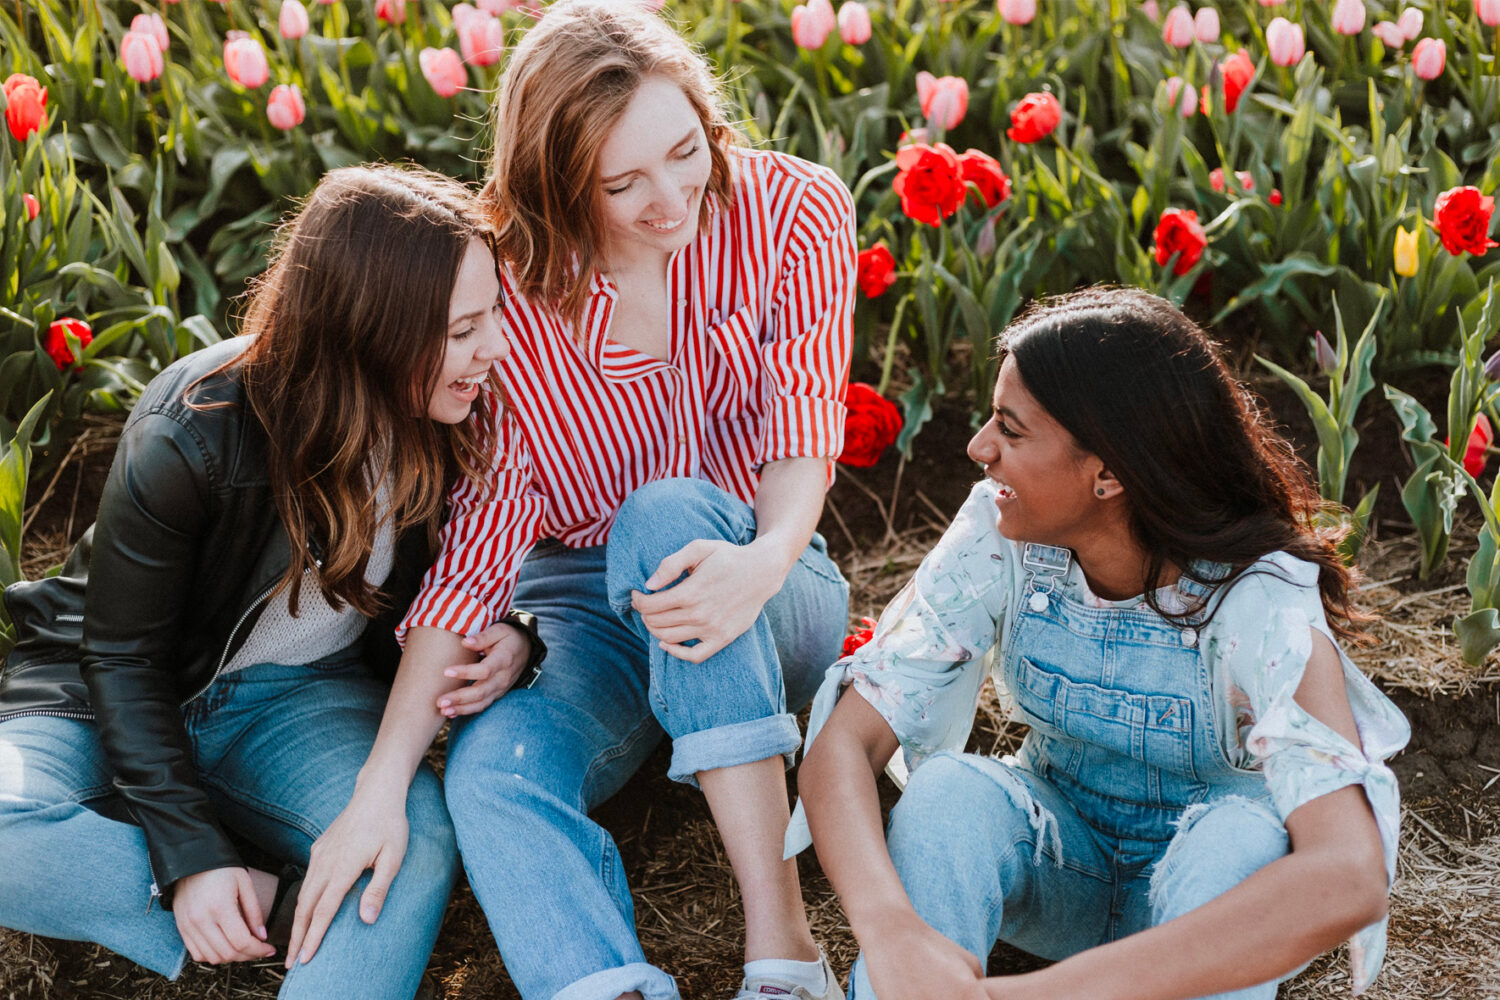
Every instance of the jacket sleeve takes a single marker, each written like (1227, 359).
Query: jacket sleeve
(156, 506)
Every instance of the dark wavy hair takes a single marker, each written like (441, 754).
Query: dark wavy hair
(1205, 476)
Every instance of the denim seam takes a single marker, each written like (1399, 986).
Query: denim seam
(613, 753)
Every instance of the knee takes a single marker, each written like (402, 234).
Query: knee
(1216, 847)
(661, 517)
(960, 818)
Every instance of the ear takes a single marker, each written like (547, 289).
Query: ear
(1105, 485)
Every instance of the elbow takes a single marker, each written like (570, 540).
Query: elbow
(1360, 896)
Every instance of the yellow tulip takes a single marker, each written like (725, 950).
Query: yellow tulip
(1406, 252)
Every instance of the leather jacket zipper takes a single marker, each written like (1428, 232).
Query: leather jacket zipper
(229, 642)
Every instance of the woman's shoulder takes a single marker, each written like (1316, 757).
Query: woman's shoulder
(202, 375)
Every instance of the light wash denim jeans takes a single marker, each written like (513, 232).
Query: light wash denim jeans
(1121, 811)
(523, 775)
(277, 749)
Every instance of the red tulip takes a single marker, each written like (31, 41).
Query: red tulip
(285, 109)
(1235, 73)
(1178, 232)
(33, 207)
(930, 182)
(141, 56)
(872, 425)
(877, 271)
(1476, 450)
(859, 638)
(1244, 177)
(1461, 217)
(26, 105)
(444, 71)
(983, 171)
(944, 99)
(245, 60)
(1034, 118)
(55, 341)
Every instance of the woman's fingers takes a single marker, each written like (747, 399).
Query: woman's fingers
(374, 895)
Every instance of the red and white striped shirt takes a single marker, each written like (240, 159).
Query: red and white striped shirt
(762, 307)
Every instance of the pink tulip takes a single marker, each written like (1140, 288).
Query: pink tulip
(391, 11)
(1285, 42)
(444, 71)
(1428, 58)
(914, 136)
(944, 99)
(498, 7)
(1151, 9)
(141, 56)
(1348, 17)
(1181, 97)
(461, 14)
(1017, 11)
(1488, 11)
(1178, 29)
(293, 21)
(285, 109)
(245, 60)
(1410, 22)
(1390, 34)
(153, 25)
(481, 39)
(812, 23)
(1206, 25)
(854, 23)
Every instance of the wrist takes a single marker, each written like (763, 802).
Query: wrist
(779, 554)
(877, 921)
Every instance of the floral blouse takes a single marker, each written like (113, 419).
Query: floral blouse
(931, 650)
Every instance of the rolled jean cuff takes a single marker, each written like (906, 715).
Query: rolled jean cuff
(606, 984)
(736, 743)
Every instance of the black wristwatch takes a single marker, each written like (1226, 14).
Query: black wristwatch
(526, 622)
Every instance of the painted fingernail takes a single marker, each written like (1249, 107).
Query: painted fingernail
(444, 703)
(260, 932)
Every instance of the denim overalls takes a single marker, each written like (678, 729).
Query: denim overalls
(1121, 810)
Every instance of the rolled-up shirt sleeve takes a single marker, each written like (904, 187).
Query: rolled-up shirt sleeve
(807, 356)
(489, 530)
(925, 662)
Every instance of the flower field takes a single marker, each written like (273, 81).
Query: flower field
(1312, 179)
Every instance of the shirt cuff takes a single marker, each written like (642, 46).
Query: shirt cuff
(453, 610)
(803, 427)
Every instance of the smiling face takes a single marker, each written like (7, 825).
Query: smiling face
(653, 168)
(1048, 483)
(474, 338)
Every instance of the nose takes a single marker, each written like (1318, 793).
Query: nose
(982, 446)
(496, 345)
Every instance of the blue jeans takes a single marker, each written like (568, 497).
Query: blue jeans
(523, 775)
(277, 749)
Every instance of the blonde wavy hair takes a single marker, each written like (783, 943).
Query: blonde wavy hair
(566, 85)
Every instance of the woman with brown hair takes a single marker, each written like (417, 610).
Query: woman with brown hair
(679, 312)
(272, 507)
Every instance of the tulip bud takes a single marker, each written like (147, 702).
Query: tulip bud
(915, 136)
(293, 22)
(1181, 97)
(944, 99)
(1406, 251)
(481, 39)
(1151, 9)
(1348, 17)
(55, 340)
(1410, 23)
(1390, 34)
(141, 56)
(812, 23)
(1429, 57)
(391, 11)
(285, 109)
(854, 23)
(1206, 25)
(984, 243)
(1178, 29)
(443, 69)
(1327, 358)
(153, 25)
(1017, 11)
(1492, 367)
(1489, 12)
(245, 61)
(1285, 42)
(33, 207)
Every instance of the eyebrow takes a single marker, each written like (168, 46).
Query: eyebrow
(1008, 415)
(691, 134)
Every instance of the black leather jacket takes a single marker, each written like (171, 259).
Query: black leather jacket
(186, 548)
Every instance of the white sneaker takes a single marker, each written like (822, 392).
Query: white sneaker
(767, 987)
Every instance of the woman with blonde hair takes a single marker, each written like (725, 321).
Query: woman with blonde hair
(219, 662)
(679, 310)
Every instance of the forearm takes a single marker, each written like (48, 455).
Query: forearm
(837, 783)
(411, 718)
(788, 504)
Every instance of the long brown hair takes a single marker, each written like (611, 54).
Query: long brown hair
(350, 325)
(1206, 477)
(566, 85)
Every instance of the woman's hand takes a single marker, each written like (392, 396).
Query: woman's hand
(504, 651)
(907, 960)
(219, 917)
(726, 587)
(371, 832)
